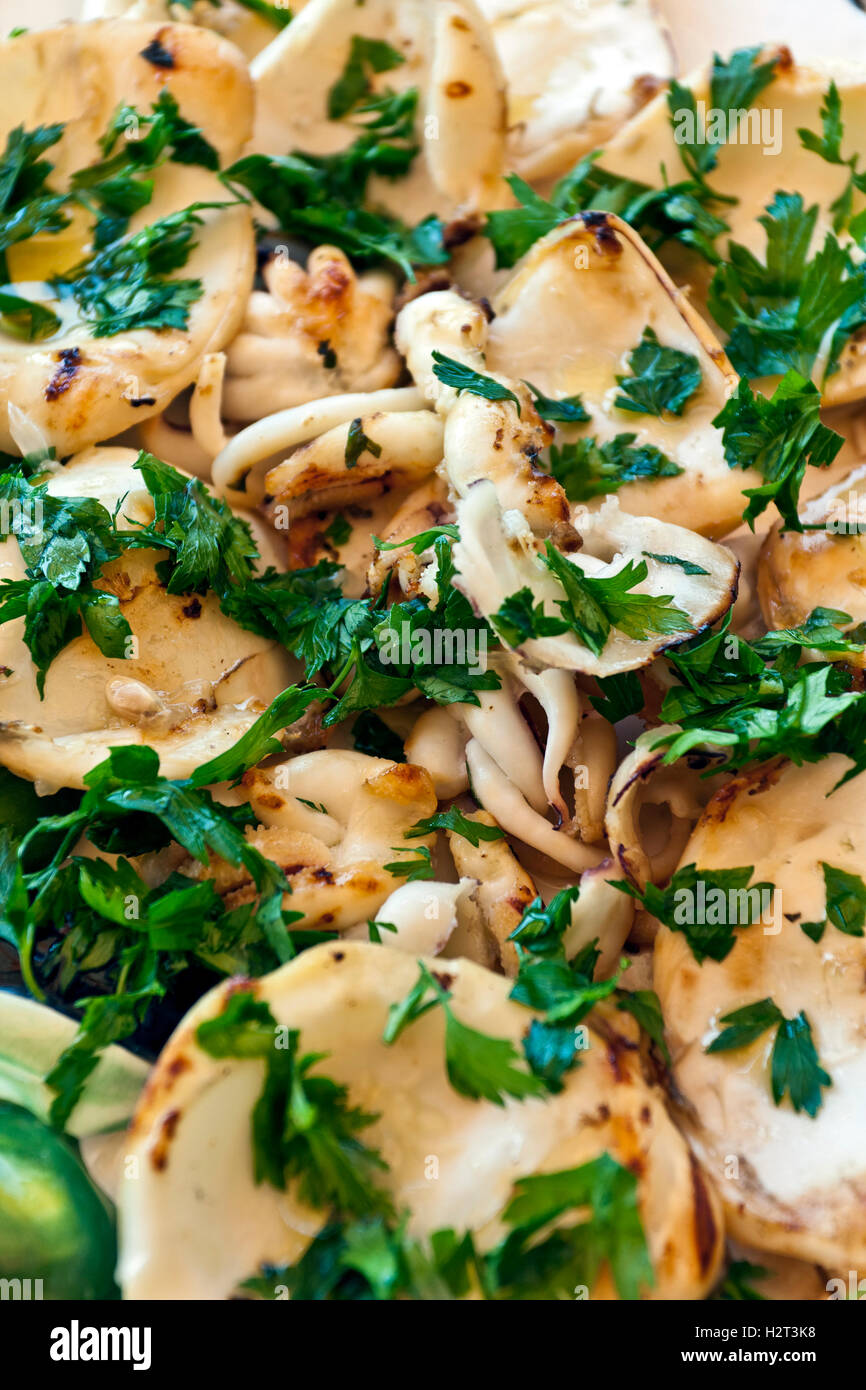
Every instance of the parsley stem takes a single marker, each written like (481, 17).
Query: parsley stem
(351, 660)
(25, 962)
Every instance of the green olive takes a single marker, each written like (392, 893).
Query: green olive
(54, 1224)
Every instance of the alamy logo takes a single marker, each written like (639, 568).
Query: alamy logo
(736, 907)
(714, 126)
(854, 1291)
(21, 518)
(440, 646)
(77, 1343)
(21, 1290)
(846, 516)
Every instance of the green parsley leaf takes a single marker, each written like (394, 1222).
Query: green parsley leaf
(778, 437)
(113, 188)
(623, 696)
(366, 57)
(587, 469)
(371, 1257)
(338, 532)
(706, 905)
(795, 1067)
(744, 1026)
(128, 941)
(64, 542)
(739, 81)
(513, 232)
(357, 443)
(302, 1125)
(662, 378)
(541, 928)
(26, 319)
(210, 547)
(563, 990)
(846, 900)
(376, 928)
(105, 1020)
(820, 631)
(573, 1255)
(687, 566)
(569, 409)
(411, 869)
(422, 541)
(463, 378)
(453, 819)
(684, 211)
(278, 14)
(731, 698)
(594, 605)
(779, 314)
(27, 205)
(734, 85)
(127, 284)
(322, 197)
(259, 741)
(645, 1006)
(678, 211)
(21, 808)
(517, 619)
(478, 1066)
(829, 146)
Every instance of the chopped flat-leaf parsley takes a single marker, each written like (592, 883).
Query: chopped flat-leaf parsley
(687, 211)
(127, 285)
(563, 991)
(661, 379)
(706, 905)
(795, 1067)
(366, 57)
(586, 468)
(421, 867)
(777, 437)
(478, 1066)
(27, 204)
(566, 409)
(622, 696)
(64, 543)
(338, 531)
(323, 197)
(845, 898)
(829, 146)
(133, 146)
(358, 443)
(453, 819)
(789, 312)
(423, 541)
(279, 14)
(687, 566)
(463, 378)
(303, 1128)
(124, 942)
(756, 700)
(594, 605)
(26, 319)
(373, 1258)
(644, 1006)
